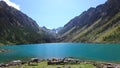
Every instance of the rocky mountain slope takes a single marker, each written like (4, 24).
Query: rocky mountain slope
(18, 28)
(98, 25)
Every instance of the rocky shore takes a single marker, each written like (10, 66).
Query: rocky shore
(3, 50)
(60, 63)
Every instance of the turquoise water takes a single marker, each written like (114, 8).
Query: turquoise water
(84, 51)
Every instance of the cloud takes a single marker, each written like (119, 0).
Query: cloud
(12, 4)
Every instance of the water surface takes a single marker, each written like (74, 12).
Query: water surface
(84, 51)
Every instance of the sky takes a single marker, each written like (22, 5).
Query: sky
(53, 13)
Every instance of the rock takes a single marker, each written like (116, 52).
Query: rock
(88, 26)
(17, 28)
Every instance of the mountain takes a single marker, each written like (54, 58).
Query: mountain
(18, 28)
(96, 25)
(51, 33)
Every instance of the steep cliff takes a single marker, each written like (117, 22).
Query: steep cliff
(99, 25)
(18, 28)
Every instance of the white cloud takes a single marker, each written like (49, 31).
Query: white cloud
(12, 4)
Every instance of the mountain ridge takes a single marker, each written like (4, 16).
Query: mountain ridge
(94, 23)
(17, 28)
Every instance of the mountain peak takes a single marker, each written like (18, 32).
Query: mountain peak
(18, 28)
(3, 4)
(113, 1)
(94, 25)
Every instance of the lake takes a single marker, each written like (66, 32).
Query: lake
(84, 51)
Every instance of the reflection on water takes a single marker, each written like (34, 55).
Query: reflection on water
(102, 52)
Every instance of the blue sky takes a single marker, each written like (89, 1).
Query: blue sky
(55, 13)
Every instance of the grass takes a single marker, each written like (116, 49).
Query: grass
(98, 32)
(110, 31)
(66, 33)
(86, 30)
(44, 65)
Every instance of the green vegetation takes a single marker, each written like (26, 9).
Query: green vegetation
(112, 34)
(44, 65)
(107, 32)
(22, 36)
(17, 28)
(96, 25)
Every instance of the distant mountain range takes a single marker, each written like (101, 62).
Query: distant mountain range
(18, 28)
(96, 25)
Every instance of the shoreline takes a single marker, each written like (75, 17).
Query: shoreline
(4, 50)
(60, 62)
